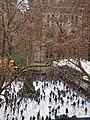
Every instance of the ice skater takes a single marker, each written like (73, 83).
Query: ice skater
(23, 117)
(66, 111)
(86, 110)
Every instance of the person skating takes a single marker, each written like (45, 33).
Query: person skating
(41, 97)
(66, 111)
(56, 113)
(23, 117)
(54, 87)
(5, 108)
(78, 102)
(39, 101)
(49, 99)
(13, 109)
(25, 106)
(36, 83)
(74, 104)
(53, 94)
(82, 103)
(7, 116)
(13, 118)
(0, 105)
(38, 115)
(42, 118)
(76, 96)
(53, 111)
(86, 110)
(71, 98)
(30, 118)
(47, 84)
(21, 112)
(59, 82)
(73, 95)
(34, 117)
(67, 99)
(62, 102)
(6, 98)
(47, 117)
(55, 99)
(16, 118)
(58, 108)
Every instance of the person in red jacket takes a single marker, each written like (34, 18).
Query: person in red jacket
(86, 110)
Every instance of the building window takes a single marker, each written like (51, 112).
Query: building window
(48, 17)
(48, 52)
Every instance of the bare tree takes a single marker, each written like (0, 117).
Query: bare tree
(73, 41)
(10, 22)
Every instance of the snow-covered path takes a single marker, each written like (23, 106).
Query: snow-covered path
(45, 106)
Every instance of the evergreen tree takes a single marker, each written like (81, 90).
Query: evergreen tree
(28, 84)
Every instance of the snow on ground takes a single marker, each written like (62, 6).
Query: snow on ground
(33, 107)
(85, 64)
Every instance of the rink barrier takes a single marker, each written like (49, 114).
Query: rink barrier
(85, 118)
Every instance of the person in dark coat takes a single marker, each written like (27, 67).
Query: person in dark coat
(55, 99)
(82, 103)
(62, 101)
(73, 95)
(23, 117)
(78, 102)
(6, 98)
(46, 117)
(54, 87)
(16, 118)
(56, 111)
(42, 118)
(66, 111)
(34, 117)
(53, 110)
(50, 99)
(21, 112)
(49, 118)
(53, 94)
(58, 108)
(30, 118)
(74, 104)
(76, 96)
(7, 116)
(13, 118)
(71, 98)
(0, 105)
(36, 83)
(25, 106)
(5, 108)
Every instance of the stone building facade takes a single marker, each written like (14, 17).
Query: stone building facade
(68, 14)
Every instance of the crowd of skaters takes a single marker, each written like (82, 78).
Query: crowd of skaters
(57, 98)
(71, 98)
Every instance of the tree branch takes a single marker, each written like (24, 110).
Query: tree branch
(81, 68)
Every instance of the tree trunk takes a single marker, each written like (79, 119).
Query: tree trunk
(89, 49)
(2, 67)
